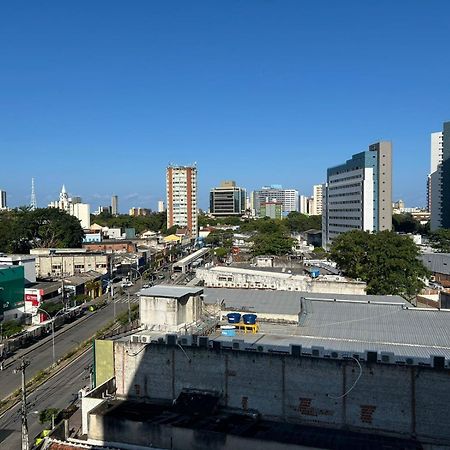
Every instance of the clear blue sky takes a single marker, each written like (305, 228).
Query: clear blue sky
(102, 95)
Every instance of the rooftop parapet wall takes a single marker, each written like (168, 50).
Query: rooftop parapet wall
(293, 386)
(253, 279)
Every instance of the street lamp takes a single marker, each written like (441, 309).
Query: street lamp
(53, 328)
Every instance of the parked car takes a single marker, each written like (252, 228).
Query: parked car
(126, 284)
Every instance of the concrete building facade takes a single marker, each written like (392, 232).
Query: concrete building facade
(316, 209)
(288, 197)
(82, 211)
(358, 194)
(272, 209)
(182, 206)
(114, 205)
(67, 262)
(439, 179)
(227, 200)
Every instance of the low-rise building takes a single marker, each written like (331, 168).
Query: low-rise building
(51, 263)
(439, 265)
(27, 261)
(12, 288)
(111, 246)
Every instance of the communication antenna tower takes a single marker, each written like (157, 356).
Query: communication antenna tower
(33, 203)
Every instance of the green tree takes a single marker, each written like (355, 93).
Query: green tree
(47, 415)
(440, 240)
(405, 223)
(23, 229)
(386, 261)
(271, 244)
(298, 222)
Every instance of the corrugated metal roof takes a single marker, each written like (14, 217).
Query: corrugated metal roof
(345, 325)
(280, 302)
(437, 262)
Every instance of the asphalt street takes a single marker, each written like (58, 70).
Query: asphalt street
(58, 392)
(67, 338)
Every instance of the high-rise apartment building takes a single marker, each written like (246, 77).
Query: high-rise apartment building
(114, 205)
(358, 194)
(305, 204)
(439, 179)
(161, 207)
(275, 192)
(316, 209)
(3, 202)
(181, 188)
(227, 200)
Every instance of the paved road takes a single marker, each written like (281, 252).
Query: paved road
(58, 392)
(65, 339)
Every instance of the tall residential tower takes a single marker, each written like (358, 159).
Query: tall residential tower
(439, 179)
(181, 188)
(358, 194)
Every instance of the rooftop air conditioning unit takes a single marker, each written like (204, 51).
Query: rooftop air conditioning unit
(185, 340)
(135, 338)
(317, 351)
(387, 357)
(145, 339)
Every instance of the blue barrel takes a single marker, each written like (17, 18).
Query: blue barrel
(228, 330)
(234, 317)
(249, 319)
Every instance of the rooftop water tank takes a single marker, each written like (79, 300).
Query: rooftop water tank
(234, 317)
(249, 319)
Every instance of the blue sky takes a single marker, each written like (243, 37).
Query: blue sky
(102, 95)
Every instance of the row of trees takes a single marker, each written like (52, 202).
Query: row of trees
(156, 221)
(23, 229)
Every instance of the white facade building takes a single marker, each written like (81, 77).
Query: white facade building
(434, 179)
(182, 207)
(316, 209)
(82, 211)
(161, 207)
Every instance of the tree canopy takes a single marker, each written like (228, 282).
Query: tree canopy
(156, 221)
(386, 261)
(440, 240)
(24, 229)
(298, 222)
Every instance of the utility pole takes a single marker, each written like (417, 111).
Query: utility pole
(129, 309)
(24, 410)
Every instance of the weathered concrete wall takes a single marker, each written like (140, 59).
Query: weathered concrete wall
(400, 400)
(285, 282)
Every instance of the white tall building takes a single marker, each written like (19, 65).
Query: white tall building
(82, 211)
(182, 206)
(316, 207)
(3, 202)
(114, 205)
(161, 207)
(434, 179)
(358, 194)
(305, 204)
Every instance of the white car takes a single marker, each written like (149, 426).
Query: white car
(126, 284)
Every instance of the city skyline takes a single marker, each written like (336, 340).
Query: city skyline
(290, 91)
